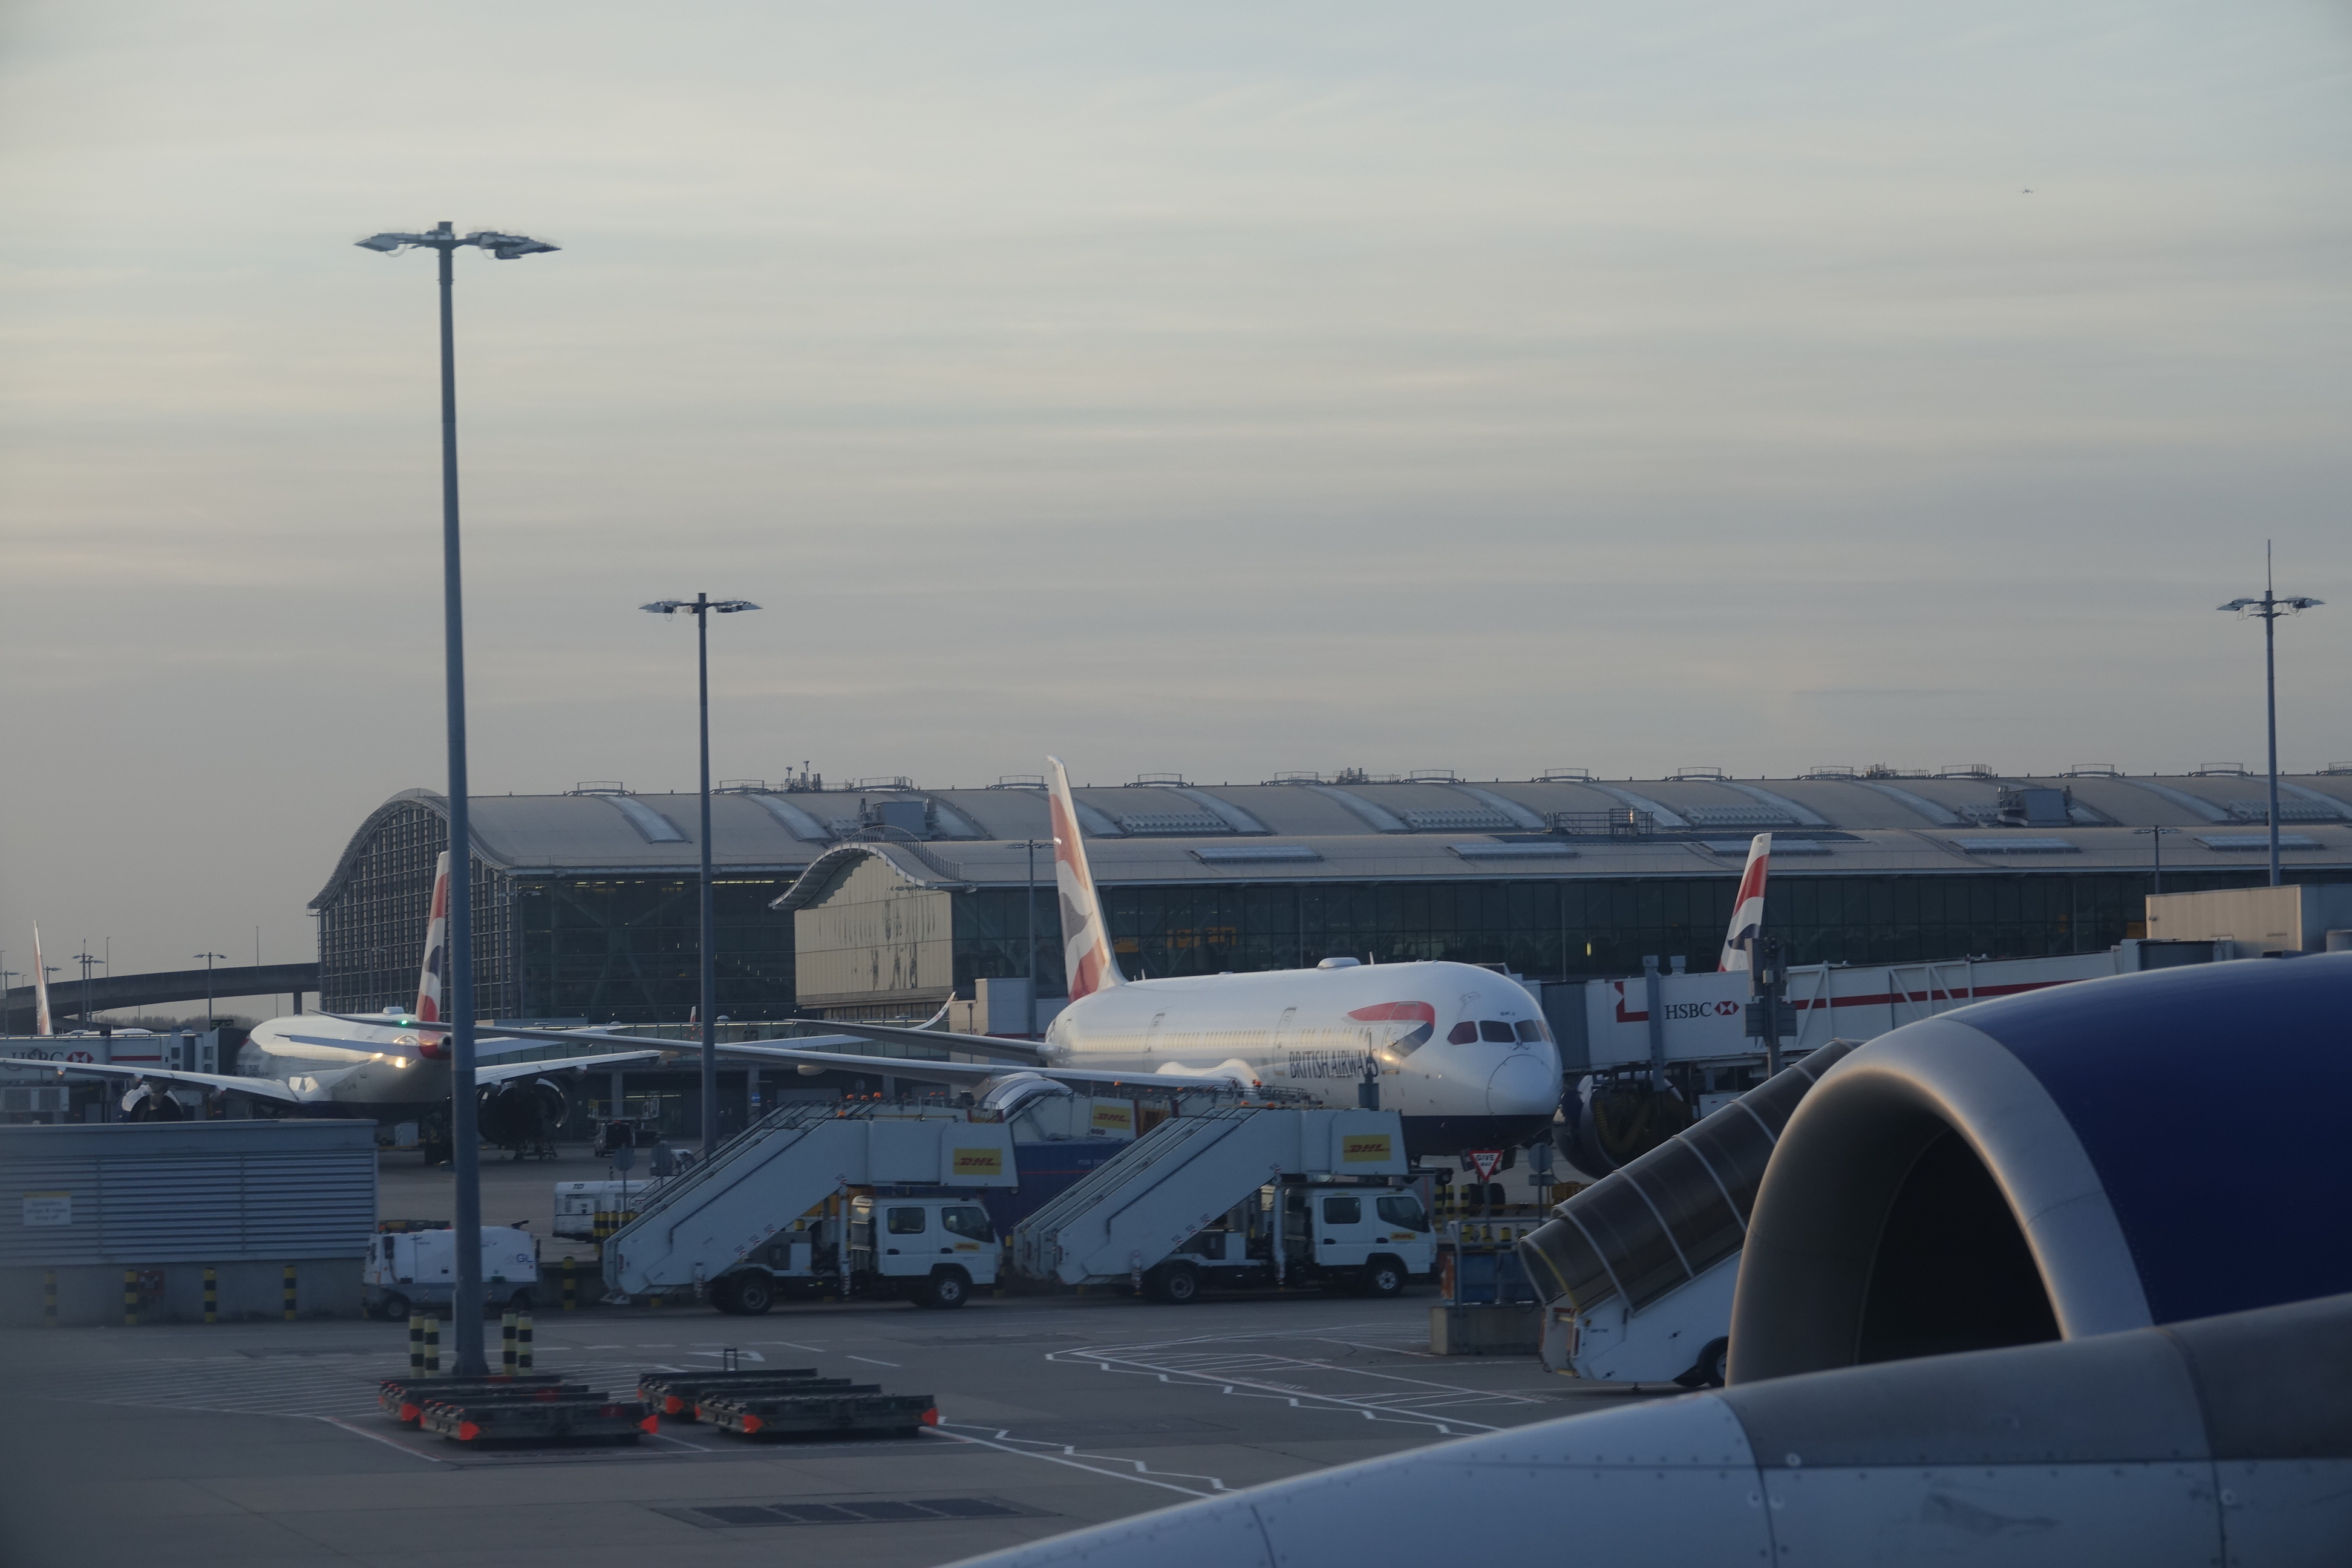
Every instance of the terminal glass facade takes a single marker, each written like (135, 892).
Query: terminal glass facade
(1562, 929)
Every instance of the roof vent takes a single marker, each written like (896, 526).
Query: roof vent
(1716, 774)
(1166, 781)
(1883, 771)
(1965, 771)
(2333, 768)
(599, 786)
(1341, 963)
(885, 781)
(2091, 771)
(1626, 823)
(1296, 775)
(1019, 781)
(1432, 776)
(2217, 771)
(740, 786)
(1566, 775)
(1831, 770)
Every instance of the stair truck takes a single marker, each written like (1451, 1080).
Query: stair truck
(1244, 1196)
(874, 1201)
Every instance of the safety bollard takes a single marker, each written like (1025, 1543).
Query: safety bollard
(415, 1344)
(522, 1341)
(507, 1342)
(289, 1292)
(49, 1298)
(598, 1229)
(432, 1347)
(131, 1297)
(212, 1294)
(571, 1286)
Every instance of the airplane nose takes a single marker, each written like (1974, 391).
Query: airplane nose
(1527, 1084)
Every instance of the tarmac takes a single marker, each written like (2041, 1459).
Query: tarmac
(261, 1443)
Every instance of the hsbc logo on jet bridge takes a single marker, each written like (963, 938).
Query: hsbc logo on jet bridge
(1678, 1011)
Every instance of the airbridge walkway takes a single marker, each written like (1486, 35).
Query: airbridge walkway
(110, 991)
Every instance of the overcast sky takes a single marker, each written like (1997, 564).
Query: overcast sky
(1214, 388)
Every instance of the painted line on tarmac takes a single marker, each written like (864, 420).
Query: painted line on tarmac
(1070, 1456)
(870, 1361)
(388, 1442)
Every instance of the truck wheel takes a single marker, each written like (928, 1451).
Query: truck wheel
(1383, 1277)
(948, 1289)
(393, 1307)
(1179, 1284)
(752, 1294)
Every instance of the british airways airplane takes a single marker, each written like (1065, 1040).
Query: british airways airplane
(394, 1068)
(1462, 1052)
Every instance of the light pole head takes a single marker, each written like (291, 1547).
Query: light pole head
(505, 246)
(730, 606)
(666, 606)
(391, 244)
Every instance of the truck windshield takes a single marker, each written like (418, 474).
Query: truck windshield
(906, 1222)
(1403, 1211)
(968, 1220)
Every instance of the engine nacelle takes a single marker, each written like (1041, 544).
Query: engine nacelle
(521, 1113)
(2096, 1157)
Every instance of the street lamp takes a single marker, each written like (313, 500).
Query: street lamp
(466, 1288)
(86, 959)
(2269, 607)
(208, 958)
(702, 606)
(2157, 834)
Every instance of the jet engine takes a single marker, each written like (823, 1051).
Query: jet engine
(521, 1113)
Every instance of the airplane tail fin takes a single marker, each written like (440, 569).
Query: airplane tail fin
(1085, 944)
(40, 989)
(1747, 909)
(435, 970)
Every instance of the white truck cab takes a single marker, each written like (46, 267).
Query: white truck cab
(931, 1251)
(407, 1270)
(1366, 1238)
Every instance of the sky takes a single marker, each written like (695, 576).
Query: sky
(1220, 389)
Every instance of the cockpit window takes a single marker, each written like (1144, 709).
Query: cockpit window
(1462, 1033)
(1496, 1030)
(1533, 1029)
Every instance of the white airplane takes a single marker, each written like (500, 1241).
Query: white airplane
(1463, 1052)
(390, 1068)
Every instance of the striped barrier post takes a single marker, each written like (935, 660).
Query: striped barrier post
(432, 1347)
(49, 1298)
(212, 1294)
(522, 1341)
(415, 1344)
(289, 1292)
(571, 1286)
(131, 1297)
(507, 1342)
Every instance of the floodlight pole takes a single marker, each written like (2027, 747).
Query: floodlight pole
(2157, 834)
(208, 958)
(702, 606)
(465, 1285)
(2269, 607)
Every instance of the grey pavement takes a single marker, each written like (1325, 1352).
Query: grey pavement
(261, 1443)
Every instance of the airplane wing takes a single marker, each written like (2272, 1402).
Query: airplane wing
(1021, 1052)
(505, 1070)
(897, 1035)
(267, 1087)
(967, 1074)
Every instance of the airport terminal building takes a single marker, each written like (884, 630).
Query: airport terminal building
(889, 899)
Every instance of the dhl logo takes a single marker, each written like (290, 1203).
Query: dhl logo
(979, 1162)
(1366, 1148)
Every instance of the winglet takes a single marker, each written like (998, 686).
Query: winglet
(1747, 909)
(1085, 944)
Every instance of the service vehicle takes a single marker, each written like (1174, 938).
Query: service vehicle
(1367, 1239)
(407, 1270)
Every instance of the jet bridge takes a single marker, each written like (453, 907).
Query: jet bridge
(763, 1179)
(1133, 1213)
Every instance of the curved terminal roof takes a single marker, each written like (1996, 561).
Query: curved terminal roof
(1318, 830)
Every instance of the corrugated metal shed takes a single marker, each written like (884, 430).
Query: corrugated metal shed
(197, 1192)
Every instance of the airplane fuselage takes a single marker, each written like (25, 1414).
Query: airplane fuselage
(362, 1069)
(1462, 1052)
